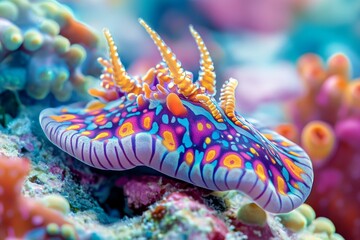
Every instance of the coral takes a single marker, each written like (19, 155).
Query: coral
(254, 223)
(165, 121)
(89, 192)
(19, 215)
(325, 121)
(178, 215)
(143, 191)
(251, 214)
(40, 52)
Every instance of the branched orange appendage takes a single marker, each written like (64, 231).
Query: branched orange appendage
(107, 96)
(147, 91)
(206, 100)
(227, 100)
(121, 78)
(181, 79)
(149, 76)
(206, 75)
(108, 68)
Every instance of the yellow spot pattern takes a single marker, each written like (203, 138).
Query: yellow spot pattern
(281, 187)
(208, 125)
(294, 154)
(210, 155)
(86, 133)
(260, 171)
(200, 126)
(297, 171)
(74, 127)
(101, 136)
(126, 129)
(63, 118)
(169, 141)
(268, 136)
(232, 161)
(207, 140)
(285, 144)
(147, 122)
(96, 105)
(99, 118)
(253, 151)
(189, 157)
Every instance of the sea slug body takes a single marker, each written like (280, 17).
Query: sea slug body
(167, 121)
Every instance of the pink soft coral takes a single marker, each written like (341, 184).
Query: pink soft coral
(326, 123)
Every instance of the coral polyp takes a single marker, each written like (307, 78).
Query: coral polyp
(173, 124)
(326, 123)
(43, 49)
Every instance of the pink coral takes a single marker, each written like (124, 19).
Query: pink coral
(142, 191)
(326, 122)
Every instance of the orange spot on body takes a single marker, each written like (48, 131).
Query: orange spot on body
(210, 155)
(126, 129)
(294, 154)
(94, 112)
(200, 126)
(293, 168)
(102, 122)
(147, 122)
(268, 136)
(281, 186)
(232, 161)
(189, 157)
(208, 125)
(169, 141)
(74, 127)
(86, 133)
(175, 105)
(102, 136)
(63, 118)
(95, 105)
(253, 151)
(99, 118)
(285, 144)
(260, 171)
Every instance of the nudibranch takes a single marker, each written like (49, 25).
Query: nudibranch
(168, 122)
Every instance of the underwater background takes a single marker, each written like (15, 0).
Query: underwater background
(296, 65)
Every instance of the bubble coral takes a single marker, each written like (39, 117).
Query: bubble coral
(326, 123)
(43, 49)
(20, 215)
